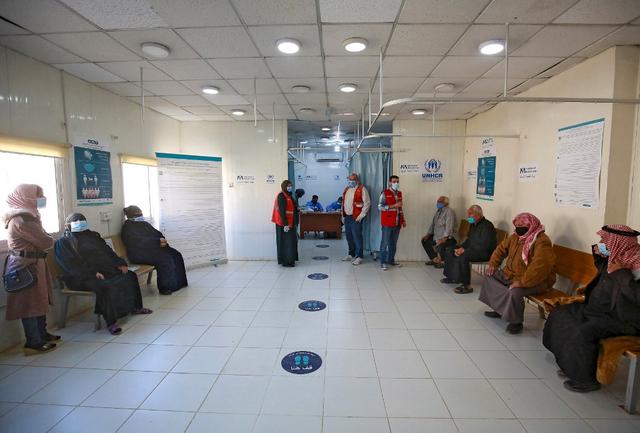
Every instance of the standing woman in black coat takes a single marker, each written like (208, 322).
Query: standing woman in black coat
(285, 217)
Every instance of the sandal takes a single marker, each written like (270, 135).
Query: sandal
(142, 311)
(36, 350)
(463, 290)
(115, 329)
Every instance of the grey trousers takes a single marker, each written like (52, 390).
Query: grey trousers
(509, 303)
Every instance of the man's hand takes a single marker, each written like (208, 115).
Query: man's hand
(359, 219)
(458, 251)
(515, 284)
(124, 269)
(99, 276)
(490, 271)
(426, 237)
(163, 242)
(440, 241)
(404, 224)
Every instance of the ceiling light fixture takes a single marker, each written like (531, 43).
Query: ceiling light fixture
(210, 90)
(307, 110)
(238, 112)
(326, 129)
(348, 114)
(304, 142)
(418, 112)
(355, 45)
(336, 148)
(445, 87)
(155, 50)
(288, 46)
(385, 114)
(300, 89)
(491, 47)
(347, 87)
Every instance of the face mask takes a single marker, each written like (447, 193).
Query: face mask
(439, 205)
(41, 202)
(472, 220)
(395, 186)
(289, 188)
(140, 218)
(79, 226)
(521, 231)
(351, 184)
(603, 249)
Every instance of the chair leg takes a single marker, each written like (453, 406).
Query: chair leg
(541, 312)
(149, 277)
(65, 310)
(633, 385)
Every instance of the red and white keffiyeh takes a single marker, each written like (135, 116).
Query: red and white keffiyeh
(526, 219)
(623, 246)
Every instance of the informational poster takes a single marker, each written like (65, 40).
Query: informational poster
(486, 172)
(409, 168)
(472, 174)
(271, 179)
(432, 170)
(528, 172)
(578, 164)
(92, 159)
(191, 206)
(245, 179)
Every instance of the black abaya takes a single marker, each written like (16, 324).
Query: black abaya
(287, 242)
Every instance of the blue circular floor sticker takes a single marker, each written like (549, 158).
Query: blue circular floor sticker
(320, 258)
(322, 246)
(312, 305)
(317, 276)
(301, 362)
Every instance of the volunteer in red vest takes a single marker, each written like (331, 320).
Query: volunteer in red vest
(285, 217)
(392, 220)
(355, 206)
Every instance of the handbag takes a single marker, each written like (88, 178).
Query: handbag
(20, 279)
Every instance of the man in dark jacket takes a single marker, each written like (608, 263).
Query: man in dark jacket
(480, 243)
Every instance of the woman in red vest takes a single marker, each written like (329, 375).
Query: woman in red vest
(392, 220)
(285, 217)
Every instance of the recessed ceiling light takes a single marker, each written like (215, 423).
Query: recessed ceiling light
(385, 114)
(307, 110)
(300, 89)
(347, 87)
(288, 46)
(348, 114)
(336, 148)
(326, 129)
(155, 50)
(491, 47)
(418, 112)
(445, 87)
(210, 90)
(304, 142)
(324, 138)
(355, 45)
(238, 112)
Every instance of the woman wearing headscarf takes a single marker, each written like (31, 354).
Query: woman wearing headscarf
(27, 241)
(147, 245)
(89, 264)
(285, 217)
(611, 308)
(528, 270)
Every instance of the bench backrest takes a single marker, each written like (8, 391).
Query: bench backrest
(463, 232)
(574, 265)
(118, 245)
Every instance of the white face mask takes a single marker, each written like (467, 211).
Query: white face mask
(140, 218)
(41, 202)
(395, 186)
(79, 226)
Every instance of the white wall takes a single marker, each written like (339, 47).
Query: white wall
(325, 179)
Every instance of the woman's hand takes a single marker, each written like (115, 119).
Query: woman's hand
(99, 276)
(163, 242)
(124, 269)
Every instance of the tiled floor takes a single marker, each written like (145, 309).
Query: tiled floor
(401, 354)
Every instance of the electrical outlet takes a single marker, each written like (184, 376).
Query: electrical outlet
(105, 216)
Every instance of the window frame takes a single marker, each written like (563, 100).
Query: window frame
(153, 219)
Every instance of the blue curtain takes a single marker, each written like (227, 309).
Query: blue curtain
(374, 169)
(292, 173)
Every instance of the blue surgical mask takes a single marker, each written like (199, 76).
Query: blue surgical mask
(472, 220)
(439, 205)
(603, 249)
(351, 184)
(289, 188)
(395, 186)
(140, 218)
(79, 226)
(41, 202)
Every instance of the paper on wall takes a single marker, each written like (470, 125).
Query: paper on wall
(528, 172)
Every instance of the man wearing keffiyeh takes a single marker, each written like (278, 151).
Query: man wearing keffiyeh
(611, 308)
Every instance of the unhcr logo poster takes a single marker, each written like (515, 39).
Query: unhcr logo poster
(432, 170)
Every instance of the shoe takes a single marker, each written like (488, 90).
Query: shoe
(447, 281)
(492, 314)
(348, 258)
(514, 328)
(51, 337)
(115, 329)
(384, 267)
(396, 264)
(356, 261)
(463, 289)
(439, 265)
(165, 292)
(574, 386)
(142, 311)
(430, 263)
(36, 350)
(561, 374)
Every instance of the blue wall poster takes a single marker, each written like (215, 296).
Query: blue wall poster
(486, 173)
(94, 185)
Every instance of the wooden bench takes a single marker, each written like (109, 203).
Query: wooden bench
(121, 251)
(463, 232)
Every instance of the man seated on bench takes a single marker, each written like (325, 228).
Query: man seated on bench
(611, 308)
(89, 264)
(528, 271)
(480, 243)
(146, 245)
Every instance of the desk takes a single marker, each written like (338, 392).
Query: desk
(329, 222)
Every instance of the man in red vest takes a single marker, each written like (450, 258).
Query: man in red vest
(355, 206)
(392, 220)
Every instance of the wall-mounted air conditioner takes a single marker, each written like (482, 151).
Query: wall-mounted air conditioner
(329, 156)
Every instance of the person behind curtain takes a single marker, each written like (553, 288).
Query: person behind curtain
(26, 242)
(335, 206)
(355, 206)
(478, 247)
(440, 234)
(285, 217)
(392, 220)
(147, 245)
(89, 264)
(611, 308)
(528, 271)
(314, 205)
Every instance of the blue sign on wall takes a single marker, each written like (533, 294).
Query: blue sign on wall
(301, 362)
(312, 305)
(317, 276)
(486, 181)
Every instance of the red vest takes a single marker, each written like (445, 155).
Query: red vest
(388, 218)
(277, 218)
(358, 203)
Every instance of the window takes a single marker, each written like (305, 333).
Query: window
(46, 171)
(140, 184)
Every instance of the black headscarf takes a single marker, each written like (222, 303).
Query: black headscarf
(283, 186)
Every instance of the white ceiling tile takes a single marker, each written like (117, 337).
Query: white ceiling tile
(276, 11)
(196, 86)
(334, 35)
(7, 28)
(464, 66)
(478, 33)
(266, 37)
(192, 69)
(117, 14)
(130, 71)
(360, 66)
(438, 11)
(39, 48)
(398, 85)
(359, 11)
(216, 118)
(122, 89)
(223, 99)
(281, 111)
(169, 110)
(133, 40)
(188, 118)
(424, 39)
(220, 42)
(195, 13)
(351, 99)
(162, 88)
(306, 98)
(428, 86)
(89, 72)
(523, 11)
(527, 85)
(600, 12)
(561, 67)
(241, 68)
(263, 86)
(409, 66)
(523, 67)
(187, 100)
(43, 16)
(267, 99)
(292, 67)
(316, 85)
(94, 46)
(362, 83)
(203, 109)
(562, 40)
(489, 87)
(626, 35)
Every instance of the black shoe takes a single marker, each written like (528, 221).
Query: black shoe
(514, 328)
(439, 265)
(35, 350)
(166, 292)
(447, 281)
(492, 314)
(561, 373)
(463, 289)
(51, 337)
(430, 263)
(574, 386)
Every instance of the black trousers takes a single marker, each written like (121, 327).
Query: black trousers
(433, 251)
(458, 268)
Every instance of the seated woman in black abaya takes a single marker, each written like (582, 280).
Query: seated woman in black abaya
(89, 264)
(146, 245)
(611, 308)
